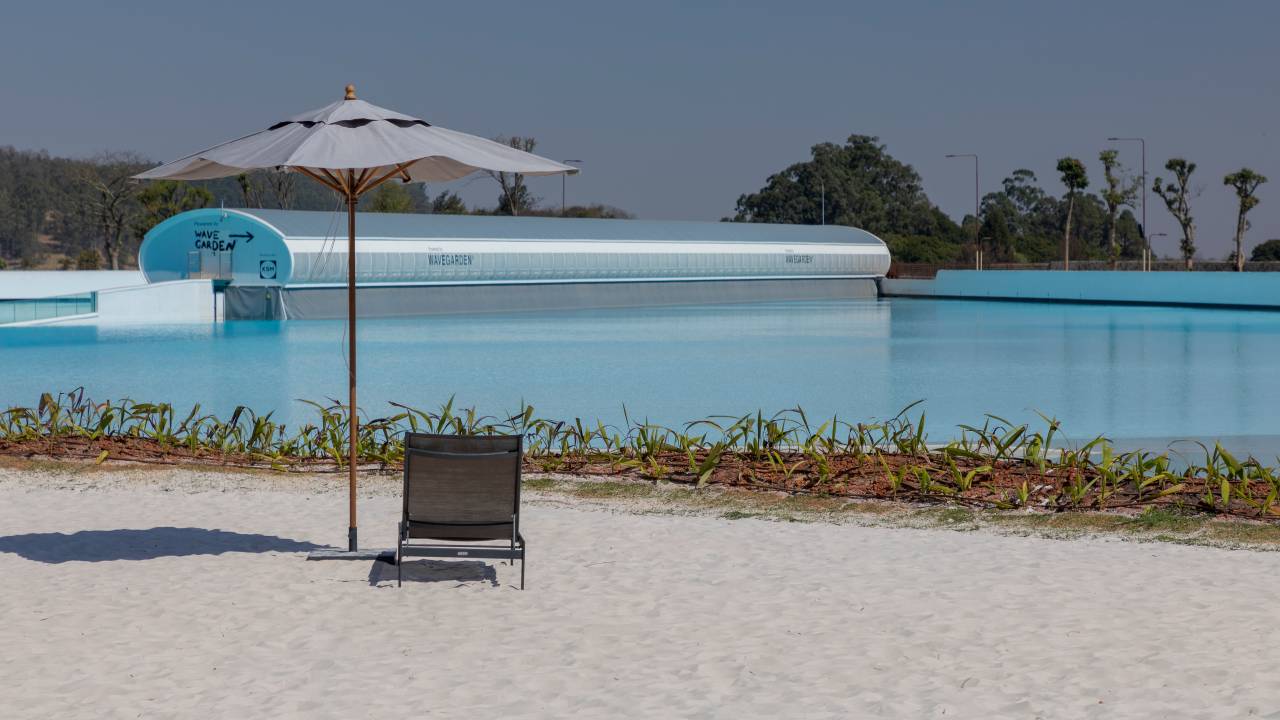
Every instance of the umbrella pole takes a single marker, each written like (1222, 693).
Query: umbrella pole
(354, 417)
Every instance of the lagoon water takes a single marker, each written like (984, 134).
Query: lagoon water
(1128, 372)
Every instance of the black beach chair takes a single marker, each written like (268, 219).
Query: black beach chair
(461, 496)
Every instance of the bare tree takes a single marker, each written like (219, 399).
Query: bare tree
(282, 188)
(1116, 195)
(267, 188)
(1246, 183)
(1178, 200)
(250, 189)
(112, 198)
(515, 196)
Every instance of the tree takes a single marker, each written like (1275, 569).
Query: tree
(865, 187)
(281, 184)
(1245, 182)
(160, 200)
(1023, 221)
(448, 203)
(595, 210)
(1129, 235)
(112, 202)
(1022, 190)
(392, 197)
(250, 190)
(88, 259)
(1117, 194)
(515, 198)
(1267, 251)
(996, 234)
(516, 201)
(1075, 178)
(1177, 198)
(256, 186)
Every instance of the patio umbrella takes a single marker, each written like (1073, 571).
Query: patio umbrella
(353, 147)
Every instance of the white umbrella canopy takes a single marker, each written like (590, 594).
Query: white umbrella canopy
(352, 147)
(352, 134)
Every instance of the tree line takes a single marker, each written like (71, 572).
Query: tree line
(860, 184)
(90, 214)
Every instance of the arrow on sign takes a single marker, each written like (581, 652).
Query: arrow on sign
(248, 236)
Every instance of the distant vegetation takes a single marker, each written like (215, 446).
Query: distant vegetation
(866, 187)
(65, 213)
(1267, 251)
(60, 212)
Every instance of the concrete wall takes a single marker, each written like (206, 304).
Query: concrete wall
(31, 284)
(1194, 289)
(180, 301)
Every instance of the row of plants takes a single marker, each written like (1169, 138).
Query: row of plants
(998, 464)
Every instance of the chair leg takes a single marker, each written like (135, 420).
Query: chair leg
(399, 565)
(521, 572)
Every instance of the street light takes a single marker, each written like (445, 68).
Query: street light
(562, 177)
(977, 244)
(823, 184)
(1146, 244)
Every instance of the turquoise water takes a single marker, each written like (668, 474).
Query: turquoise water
(1129, 372)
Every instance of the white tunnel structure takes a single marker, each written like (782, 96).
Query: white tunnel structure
(283, 263)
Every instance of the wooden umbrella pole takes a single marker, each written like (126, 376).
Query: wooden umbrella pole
(354, 424)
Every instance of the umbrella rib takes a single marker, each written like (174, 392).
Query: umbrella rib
(364, 175)
(399, 169)
(316, 176)
(337, 179)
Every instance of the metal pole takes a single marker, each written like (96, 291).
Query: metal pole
(354, 418)
(977, 210)
(563, 208)
(1146, 243)
(823, 183)
(977, 215)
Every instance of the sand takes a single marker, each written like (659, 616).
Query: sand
(188, 595)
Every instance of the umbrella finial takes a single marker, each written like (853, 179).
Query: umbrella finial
(351, 92)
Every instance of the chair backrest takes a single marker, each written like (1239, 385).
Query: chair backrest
(462, 487)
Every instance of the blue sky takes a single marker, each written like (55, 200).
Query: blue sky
(676, 108)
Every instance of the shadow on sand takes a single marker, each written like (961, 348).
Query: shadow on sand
(456, 571)
(148, 544)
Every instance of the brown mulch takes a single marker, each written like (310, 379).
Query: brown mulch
(848, 475)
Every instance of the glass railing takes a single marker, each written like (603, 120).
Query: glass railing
(26, 310)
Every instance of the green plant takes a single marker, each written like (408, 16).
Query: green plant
(998, 464)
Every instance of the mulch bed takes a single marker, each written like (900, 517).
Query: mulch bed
(1006, 484)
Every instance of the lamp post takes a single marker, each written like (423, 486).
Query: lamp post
(977, 223)
(823, 184)
(1146, 243)
(562, 186)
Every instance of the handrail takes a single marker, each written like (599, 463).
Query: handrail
(18, 310)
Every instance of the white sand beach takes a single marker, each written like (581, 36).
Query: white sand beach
(188, 595)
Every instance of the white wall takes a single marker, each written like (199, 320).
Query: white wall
(179, 301)
(1192, 289)
(31, 284)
